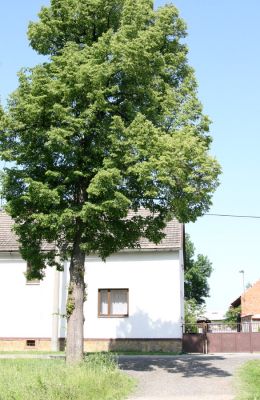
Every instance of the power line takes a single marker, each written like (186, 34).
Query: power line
(234, 216)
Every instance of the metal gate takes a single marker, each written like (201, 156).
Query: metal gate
(221, 339)
(194, 343)
(237, 342)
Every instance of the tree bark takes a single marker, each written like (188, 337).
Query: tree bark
(75, 303)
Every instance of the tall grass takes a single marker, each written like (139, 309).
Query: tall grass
(98, 378)
(249, 381)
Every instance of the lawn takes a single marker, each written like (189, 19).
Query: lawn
(249, 381)
(98, 378)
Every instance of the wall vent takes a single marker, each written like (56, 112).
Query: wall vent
(30, 343)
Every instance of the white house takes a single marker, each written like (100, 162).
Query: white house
(134, 302)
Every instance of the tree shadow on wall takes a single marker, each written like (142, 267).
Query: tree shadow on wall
(140, 325)
(140, 333)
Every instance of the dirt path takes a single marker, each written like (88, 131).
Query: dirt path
(186, 377)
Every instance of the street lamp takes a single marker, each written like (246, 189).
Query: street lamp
(243, 275)
(243, 297)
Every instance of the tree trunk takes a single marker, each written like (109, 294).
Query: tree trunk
(75, 303)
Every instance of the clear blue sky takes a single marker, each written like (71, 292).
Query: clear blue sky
(223, 39)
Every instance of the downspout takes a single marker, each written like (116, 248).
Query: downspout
(55, 311)
(183, 258)
(182, 271)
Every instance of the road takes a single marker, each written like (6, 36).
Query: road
(185, 377)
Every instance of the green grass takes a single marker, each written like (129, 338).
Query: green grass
(249, 381)
(98, 378)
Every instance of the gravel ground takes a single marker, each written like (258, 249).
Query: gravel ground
(185, 377)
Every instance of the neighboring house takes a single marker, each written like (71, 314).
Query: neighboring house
(214, 320)
(249, 302)
(134, 299)
(214, 317)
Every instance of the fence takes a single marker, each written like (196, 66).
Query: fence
(222, 327)
(219, 338)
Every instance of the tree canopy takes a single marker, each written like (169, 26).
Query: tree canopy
(192, 311)
(109, 123)
(196, 288)
(232, 316)
(197, 272)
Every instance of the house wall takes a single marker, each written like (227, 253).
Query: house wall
(154, 280)
(26, 309)
(250, 300)
(155, 283)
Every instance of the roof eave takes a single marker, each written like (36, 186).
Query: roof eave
(236, 302)
(150, 249)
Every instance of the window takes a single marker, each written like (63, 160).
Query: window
(113, 302)
(30, 281)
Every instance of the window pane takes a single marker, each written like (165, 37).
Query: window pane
(118, 299)
(103, 302)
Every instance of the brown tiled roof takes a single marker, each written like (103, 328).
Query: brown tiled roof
(8, 239)
(173, 232)
(172, 240)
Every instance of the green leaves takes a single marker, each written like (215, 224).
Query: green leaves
(104, 183)
(197, 272)
(233, 315)
(79, 21)
(109, 124)
(192, 311)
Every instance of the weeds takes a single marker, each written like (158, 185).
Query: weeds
(97, 378)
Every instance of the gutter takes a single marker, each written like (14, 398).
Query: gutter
(55, 310)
